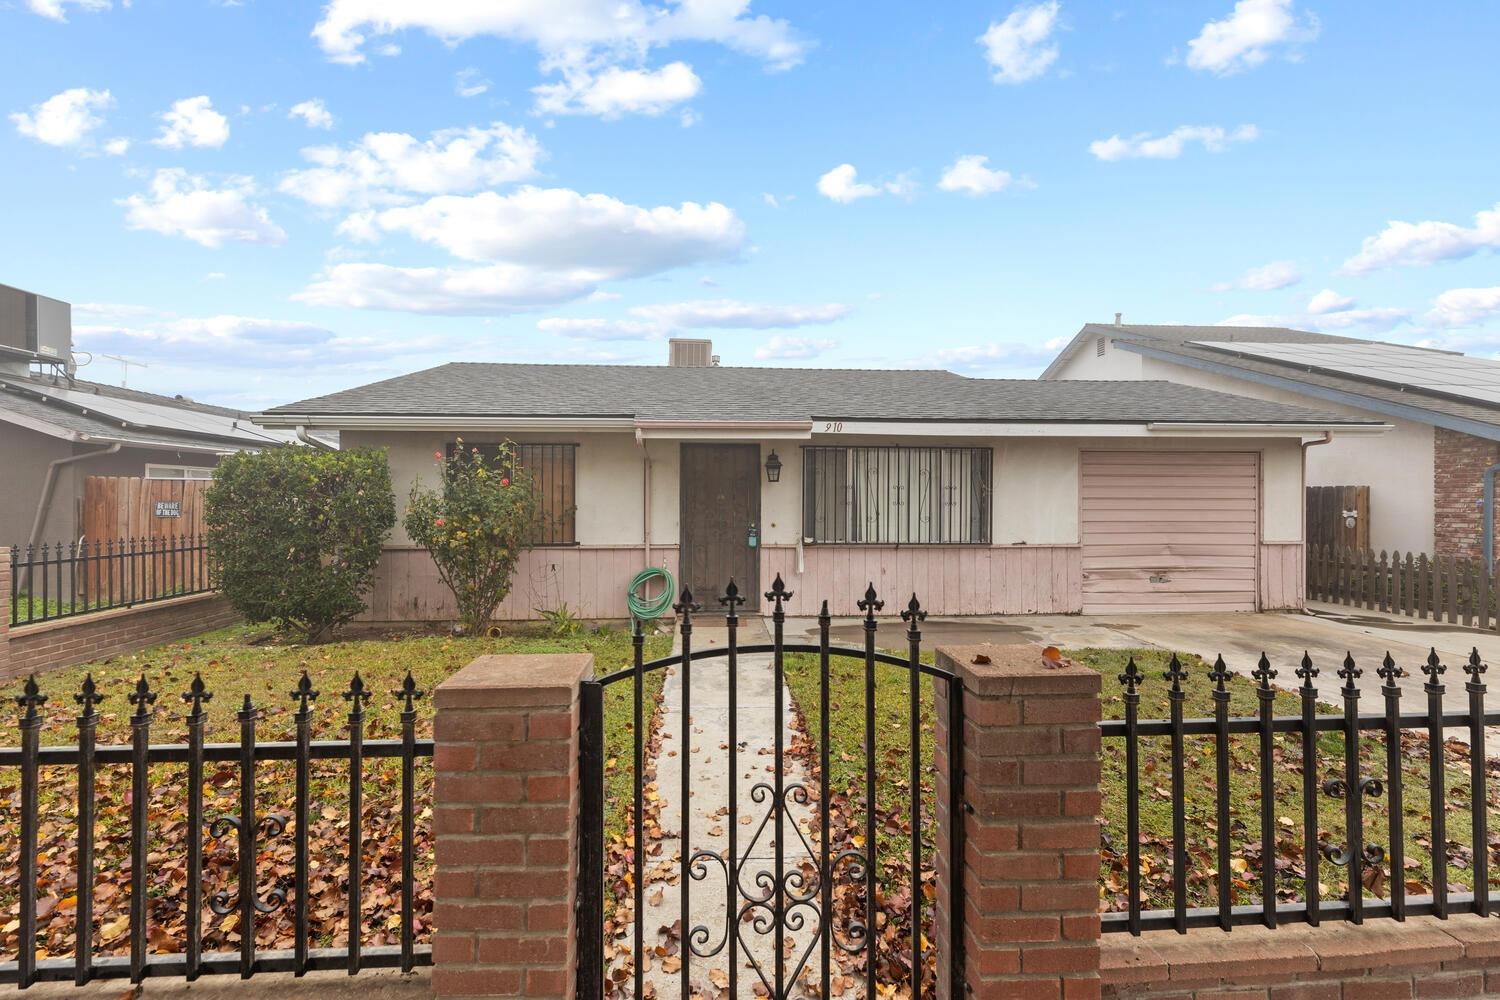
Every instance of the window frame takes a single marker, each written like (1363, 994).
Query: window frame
(895, 466)
(184, 469)
(563, 532)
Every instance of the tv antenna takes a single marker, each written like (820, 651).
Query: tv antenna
(125, 364)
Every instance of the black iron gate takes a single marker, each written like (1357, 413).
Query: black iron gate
(777, 900)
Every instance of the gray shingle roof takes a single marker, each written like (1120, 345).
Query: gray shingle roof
(665, 393)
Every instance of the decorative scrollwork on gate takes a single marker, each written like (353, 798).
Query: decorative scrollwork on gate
(1340, 854)
(269, 827)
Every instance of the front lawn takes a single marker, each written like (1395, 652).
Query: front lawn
(234, 663)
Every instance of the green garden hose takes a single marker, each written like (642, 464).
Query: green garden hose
(644, 608)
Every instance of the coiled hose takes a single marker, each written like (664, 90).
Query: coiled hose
(644, 608)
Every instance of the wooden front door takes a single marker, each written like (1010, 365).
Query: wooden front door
(720, 491)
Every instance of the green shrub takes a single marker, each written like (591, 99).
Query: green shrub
(483, 515)
(295, 533)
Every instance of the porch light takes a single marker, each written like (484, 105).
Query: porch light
(773, 468)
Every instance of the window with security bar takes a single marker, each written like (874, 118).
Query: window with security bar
(890, 495)
(552, 468)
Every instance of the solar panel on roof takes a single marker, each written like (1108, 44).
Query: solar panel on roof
(1419, 369)
(161, 417)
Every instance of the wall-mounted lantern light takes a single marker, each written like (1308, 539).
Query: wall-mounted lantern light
(773, 468)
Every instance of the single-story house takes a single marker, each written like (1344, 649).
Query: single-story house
(981, 496)
(1425, 477)
(57, 429)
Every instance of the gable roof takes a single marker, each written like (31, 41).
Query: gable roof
(1186, 345)
(665, 393)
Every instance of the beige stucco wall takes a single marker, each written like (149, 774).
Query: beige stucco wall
(1035, 501)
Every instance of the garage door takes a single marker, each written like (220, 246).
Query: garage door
(1169, 531)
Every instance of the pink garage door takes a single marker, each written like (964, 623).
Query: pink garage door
(1169, 531)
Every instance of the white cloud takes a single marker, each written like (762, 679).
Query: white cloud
(1020, 48)
(66, 118)
(313, 113)
(1142, 145)
(57, 10)
(1266, 278)
(970, 175)
(614, 91)
(782, 348)
(391, 167)
(561, 229)
(600, 47)
(587, 328)
(118, 146)
(842, 184)
(186, 205)
(495, 290)
(1464, 307)
(1329, 301)
(1340, 316)
(1246, 37)
(1425, 243)
(112, 309)
(1007, 357)
(469, 82)
(576, 30)
(192, 121)
(731, 314)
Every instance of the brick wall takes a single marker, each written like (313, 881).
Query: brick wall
(28, 649)
(1459, 461)
(1379, 960)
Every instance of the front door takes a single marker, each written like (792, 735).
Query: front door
(720, 490)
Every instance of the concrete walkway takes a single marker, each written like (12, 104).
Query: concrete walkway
(703, 745)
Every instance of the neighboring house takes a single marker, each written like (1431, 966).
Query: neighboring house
(56, 429)
(1426, 477)
(981, 496)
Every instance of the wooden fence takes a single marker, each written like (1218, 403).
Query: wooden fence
(1439, 588)
(1329, 511)
(118, 507)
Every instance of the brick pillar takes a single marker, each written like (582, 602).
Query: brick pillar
(1030, 873)
(505, 819)
(5, 584)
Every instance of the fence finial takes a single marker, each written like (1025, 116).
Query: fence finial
(304, 694)
(1176, 675)
(686, 606)
(30, 699)
(88, 696)
(197, 695)
(731, 601)
(870, 604)
(1219, 674)
(913, 612)
(357, 695)
(143, 698)
(1263, 671)
(778, 592)
(1475, 666)
(1434, 668)
(1307, 671)
(1349, 671)
(1132, 676)
(1389, 671)
(409, 692)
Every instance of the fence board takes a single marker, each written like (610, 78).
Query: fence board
(1444, 588)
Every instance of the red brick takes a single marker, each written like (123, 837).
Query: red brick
(1378, 989)
(1061, 958)
(458, 982)
(551, 726)
(1308, 991)
(1451, 984)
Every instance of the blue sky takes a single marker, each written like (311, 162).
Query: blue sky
(265, 201)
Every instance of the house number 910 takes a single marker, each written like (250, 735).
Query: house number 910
(833, 427)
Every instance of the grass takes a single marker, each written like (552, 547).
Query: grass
(892, 743)
(236, 663)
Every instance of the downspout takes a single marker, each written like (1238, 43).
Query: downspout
(640, 441)
(1488, 535)
(49, 483)
(311, 441)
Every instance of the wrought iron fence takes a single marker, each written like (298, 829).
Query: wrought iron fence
(250, 827)
(1357, 856)
(62, 579)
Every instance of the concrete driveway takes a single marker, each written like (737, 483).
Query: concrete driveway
(1327, 633)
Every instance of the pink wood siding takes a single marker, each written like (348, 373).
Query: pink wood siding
(947, 579)
(1169, 531)
(1283, 576)
(589, 580)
